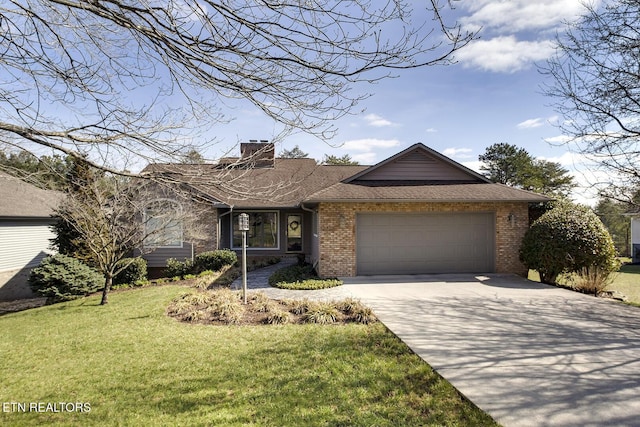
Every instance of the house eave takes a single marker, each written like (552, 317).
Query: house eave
(379, 200)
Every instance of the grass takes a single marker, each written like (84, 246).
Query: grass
(626, 281)
(136, 366)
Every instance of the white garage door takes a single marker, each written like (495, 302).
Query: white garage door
(402, 243)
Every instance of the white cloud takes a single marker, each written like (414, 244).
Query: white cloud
(515, 33)
(464, 153)
(431, 130)
(531, 123)
(365, 158)
(377, 121)
(369, 144)
(554, 120)
(520, 15)
(567, 159)
(559, 139)
(474, 166)
(504, 54)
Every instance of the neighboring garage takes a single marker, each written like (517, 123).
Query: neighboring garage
(416, 243)
(25, 220)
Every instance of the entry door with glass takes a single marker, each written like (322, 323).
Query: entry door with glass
(294, 233)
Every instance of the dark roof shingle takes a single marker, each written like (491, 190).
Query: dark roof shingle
(19, 199)
(425, 192)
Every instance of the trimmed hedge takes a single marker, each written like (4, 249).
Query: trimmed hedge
(300, 277)
(63, 278)
(214, 260)
(177, 268)
(211, 260)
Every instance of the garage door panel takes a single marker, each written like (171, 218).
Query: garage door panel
(397, 243)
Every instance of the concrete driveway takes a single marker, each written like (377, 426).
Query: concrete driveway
(526, 353)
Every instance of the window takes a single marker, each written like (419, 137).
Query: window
(263, 230)
(294, 233)
(162, 226)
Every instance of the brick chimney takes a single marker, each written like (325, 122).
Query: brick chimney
(258, 154)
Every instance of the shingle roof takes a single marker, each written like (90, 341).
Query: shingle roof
(19, 199)
(423, 192)
(294, 181)
(287, 184)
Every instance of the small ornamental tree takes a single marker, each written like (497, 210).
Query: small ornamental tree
(567, 239)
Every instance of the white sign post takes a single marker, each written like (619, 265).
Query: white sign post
(243, 225)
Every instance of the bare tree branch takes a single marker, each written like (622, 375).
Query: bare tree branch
(106, 79)
(596, 85)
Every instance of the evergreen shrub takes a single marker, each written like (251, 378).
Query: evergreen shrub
(215, 260)
(567, 239)
(63, 278)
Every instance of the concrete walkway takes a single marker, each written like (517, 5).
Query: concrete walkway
(258, 281)
(526, 353)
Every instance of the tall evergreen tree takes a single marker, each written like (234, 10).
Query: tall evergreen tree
(511, 165)
(345, 160)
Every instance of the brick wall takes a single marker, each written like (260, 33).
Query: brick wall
(337, 230)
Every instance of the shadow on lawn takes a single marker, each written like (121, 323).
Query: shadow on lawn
(630, 269)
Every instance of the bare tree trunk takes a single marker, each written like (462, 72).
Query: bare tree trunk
(108, 280)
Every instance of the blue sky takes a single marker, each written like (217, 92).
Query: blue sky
(493, 94)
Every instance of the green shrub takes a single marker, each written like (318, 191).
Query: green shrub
(214, 260)
(292, 273)
(136, 271)
(566, 239)
(309, 284)
(300, 277)
(177, 268)
(63, 278)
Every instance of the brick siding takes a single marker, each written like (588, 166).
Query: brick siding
(337, 230)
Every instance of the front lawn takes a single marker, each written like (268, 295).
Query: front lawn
(627, 281)
(134, 365)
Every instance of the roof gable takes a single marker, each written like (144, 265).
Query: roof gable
(418, 163)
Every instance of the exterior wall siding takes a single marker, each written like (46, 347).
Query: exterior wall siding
(337, 231)
(206, 231)
(416, 165)
(23, 244)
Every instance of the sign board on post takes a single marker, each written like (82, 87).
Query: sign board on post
(243, 225)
